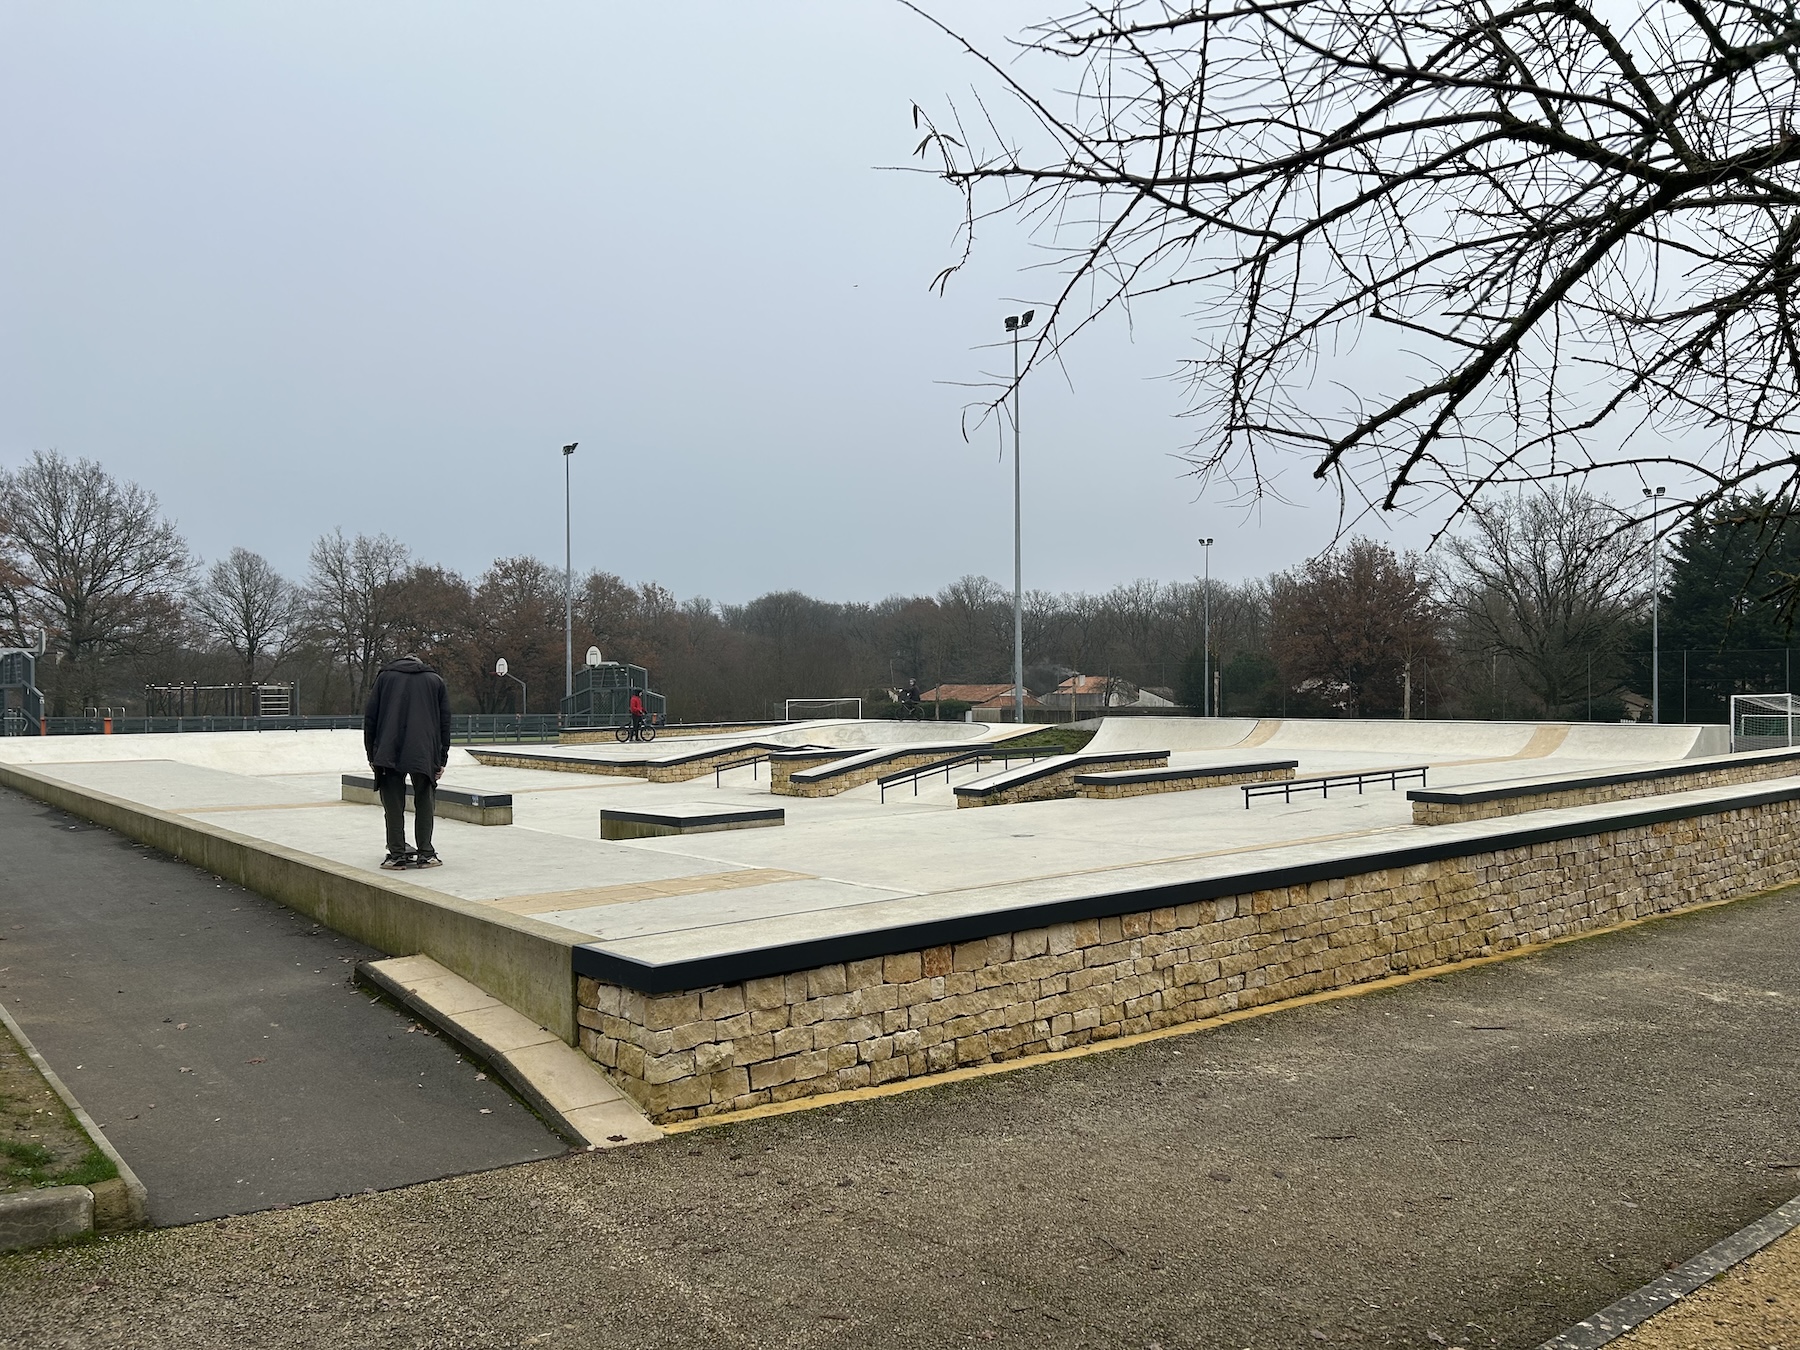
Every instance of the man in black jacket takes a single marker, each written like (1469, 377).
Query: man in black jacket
(406, 733)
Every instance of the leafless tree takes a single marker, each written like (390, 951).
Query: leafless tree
(354, 601)
(1432, 245)
(1552, 585)
(92, 561)
(248, 607)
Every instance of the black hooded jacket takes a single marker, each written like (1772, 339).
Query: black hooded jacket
(406, 725)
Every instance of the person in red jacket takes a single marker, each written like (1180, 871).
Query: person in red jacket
(637, 713)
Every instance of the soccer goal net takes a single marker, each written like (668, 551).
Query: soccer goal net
(1764, 721)
(804, 709)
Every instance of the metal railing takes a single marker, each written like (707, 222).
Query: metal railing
(1323, 783)
(993, 756)
(751, 760)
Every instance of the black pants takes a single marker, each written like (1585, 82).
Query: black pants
(393, 805)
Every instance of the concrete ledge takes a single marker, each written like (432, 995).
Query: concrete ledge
(618, 823)
(1050, 779)
(863, 766)
(562, 1085)
(1141, 782)
(784, 764)
(1447, 806)
(477, 808)
(524, 959)
(112, 1205)
(658, 768)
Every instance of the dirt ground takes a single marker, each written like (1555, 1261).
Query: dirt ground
(40, 1143)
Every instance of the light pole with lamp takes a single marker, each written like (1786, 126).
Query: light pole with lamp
(1017, 324)
(1206, 708)
(568, 582)
(1655, 496)
(501, 670)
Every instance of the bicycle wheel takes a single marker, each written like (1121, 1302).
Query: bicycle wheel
(648, 733)
(623, 733)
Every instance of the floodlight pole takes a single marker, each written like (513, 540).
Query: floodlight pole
(1655, 497)
(1016, 324)
(1206, 634)
(568, 581)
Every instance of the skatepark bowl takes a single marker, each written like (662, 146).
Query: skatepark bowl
(728, 921)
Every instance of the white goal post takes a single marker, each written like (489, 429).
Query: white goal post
(1764, 721)
(818, 705)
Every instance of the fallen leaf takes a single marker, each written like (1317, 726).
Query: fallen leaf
(181, 1026)
(254, 1061)
(486, 1112)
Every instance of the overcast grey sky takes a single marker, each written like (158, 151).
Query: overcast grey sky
(304, 265)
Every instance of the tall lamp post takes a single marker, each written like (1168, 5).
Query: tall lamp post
(1655, 495)
(1206, 708)
(568, 582)
(1016, 324)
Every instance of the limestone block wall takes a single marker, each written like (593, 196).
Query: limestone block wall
(1186, 782)
(1714, 775)
(856, 1023)
(1048, 787)
(512, 759)
(784, 764)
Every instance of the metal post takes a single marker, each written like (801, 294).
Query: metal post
(1018, 555)
(1655, 497)
(1208, 702)
(568, 581)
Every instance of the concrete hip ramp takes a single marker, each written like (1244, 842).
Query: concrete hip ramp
(1427, 740)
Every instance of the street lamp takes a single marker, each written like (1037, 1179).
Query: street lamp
(1017, 324)
(1655, 497)
(1206, 635)
(568, 583)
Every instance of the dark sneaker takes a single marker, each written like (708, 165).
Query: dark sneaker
(396, 862)
(427, 860)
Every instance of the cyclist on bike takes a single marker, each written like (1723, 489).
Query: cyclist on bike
(910, 699)
(637, 714)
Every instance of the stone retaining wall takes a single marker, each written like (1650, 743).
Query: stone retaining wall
(1049, 787)
(1718, 775)
(862, 773)
(1143, 787)
(784, 764)
(848, 1025)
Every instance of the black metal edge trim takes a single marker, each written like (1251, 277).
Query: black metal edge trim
(1197, 771)
(731, 967)
(717, 818)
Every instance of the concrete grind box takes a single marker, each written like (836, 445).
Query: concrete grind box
(857, 1023)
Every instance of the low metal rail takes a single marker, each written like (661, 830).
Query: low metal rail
(751, 760)
(1324, 782)
(1000, 756)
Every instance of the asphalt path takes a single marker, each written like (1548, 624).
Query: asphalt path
(1478, 1159)
(217, 1037)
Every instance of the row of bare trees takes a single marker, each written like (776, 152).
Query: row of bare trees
(1545, 588)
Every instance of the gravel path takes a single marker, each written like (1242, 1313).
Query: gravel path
(1753, 1306)
(1476, 1160)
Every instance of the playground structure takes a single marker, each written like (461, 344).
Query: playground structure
(602, 696)
(21, 702)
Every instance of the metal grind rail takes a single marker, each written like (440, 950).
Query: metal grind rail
(974, 757)
(751, 760)
(1324, 782)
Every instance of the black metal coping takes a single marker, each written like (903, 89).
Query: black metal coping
(455, 796)
(880, 755)
(677, 820)
(1045, 767)
(650, 977)
(645, 756)
(1539, 787)
(1193, 771)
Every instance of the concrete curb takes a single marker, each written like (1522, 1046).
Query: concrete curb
(1641, 1305)
(571, 1092)
(57, 1213)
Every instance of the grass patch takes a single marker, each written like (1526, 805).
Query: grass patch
(1066, 739)
(28, 1166)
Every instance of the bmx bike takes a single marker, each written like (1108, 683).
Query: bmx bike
(647, 732)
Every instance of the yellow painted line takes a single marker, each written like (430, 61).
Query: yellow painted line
(827, 1100)
(547, 902)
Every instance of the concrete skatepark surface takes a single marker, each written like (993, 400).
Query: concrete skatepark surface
(214, 1034)
(1478, 1159)
(843, 863)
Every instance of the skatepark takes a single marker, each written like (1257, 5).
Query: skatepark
(808, 909)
